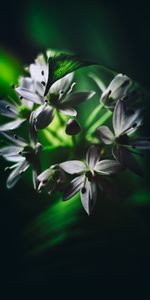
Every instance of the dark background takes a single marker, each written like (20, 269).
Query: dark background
(114, 243)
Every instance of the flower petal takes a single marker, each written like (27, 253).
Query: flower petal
(87, 196)
(74, 187)
(16, 174)
(107, 167)
(132, 122)
(118, 117)
(92, 156)
(7, 109)
(35, 172)
(11, 125)
(62, 85)
(17, 140)
(44, 118)
(68, 111)
(74, 99)
(73, 166)
(105, 134)
(127, 160)
(29, 95)
(26, 83)
(140, 142)
(39, 72)
(117, 88)
(14, 158)
(10, 150)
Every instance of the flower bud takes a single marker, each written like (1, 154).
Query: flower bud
(72, 127)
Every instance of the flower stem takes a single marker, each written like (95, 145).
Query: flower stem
(51, 147)
(93, 115)
(61, 121)
(100, 122)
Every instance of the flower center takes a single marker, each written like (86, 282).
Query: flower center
(53, 100)
(90, 175)
(122, 139)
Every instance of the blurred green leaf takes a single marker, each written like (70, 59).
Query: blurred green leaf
(61, 64)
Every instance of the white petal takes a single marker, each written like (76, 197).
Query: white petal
(7, 109)
(85, 194)
(28, 95)
(132, 122)
(73, 166)
(68, 111)
(16, 174)
(105, 134)
(10, 150)
(14, 158)
(74, 99)
(118, 117)
(107, 167)
(62, 85)
(11, 125)
(36, 71)
(17, 140)
(74, 187)
(118, 87)
(45, 174)
(92, 156)
(26, 83)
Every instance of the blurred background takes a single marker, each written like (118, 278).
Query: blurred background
(41, 239)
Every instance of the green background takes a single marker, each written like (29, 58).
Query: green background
(42, 240)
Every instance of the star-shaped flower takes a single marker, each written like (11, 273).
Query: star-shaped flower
(60, 97)
(51, 179)
(87, 179)
(117, 89)
(23, 154)
(124, 124)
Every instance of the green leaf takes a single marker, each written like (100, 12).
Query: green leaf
(61, 64)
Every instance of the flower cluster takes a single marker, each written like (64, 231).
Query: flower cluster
(48, 92)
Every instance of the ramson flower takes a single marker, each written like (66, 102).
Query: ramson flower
(59, 98)
(23, 155)
(117, 89)
(124, 125)
(51, 179)
(87, 176)
(17, 113)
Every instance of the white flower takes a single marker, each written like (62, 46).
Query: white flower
(22, 154)
(124, 124)
(117, 89)
(86, 180)
(51, 179)
(59, 97)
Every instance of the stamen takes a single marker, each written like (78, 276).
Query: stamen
(21, 97)
(43, 83)
(42, 72)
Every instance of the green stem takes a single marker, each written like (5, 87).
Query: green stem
(56, 135)
(100, 122)
(93, 115)
(48, 148)
(61, 121)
